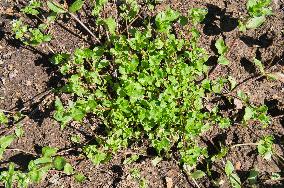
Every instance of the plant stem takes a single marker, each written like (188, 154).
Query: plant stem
(23, 151)
(244, 144)
(83, 25)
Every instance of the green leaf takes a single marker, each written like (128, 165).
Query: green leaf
(222, 60)
(3, 118)
(156, 161)
(229, 168)
(59, 163)
(10, 176)
(255, 22)
(253, 177)
(164, 19)
(111, 25)
(275, 176)
(232, 81)
(242, 27)
(131, 159)
(264, 147)
(36, 175)
(76, 139)
(55, 7)
(79, 177)
(5, 141)
(235, 180)
(197, 174)
(49, 151)
(68, 169)
(259, 65)
(77, 5)
(19, 131)
(221, 47)
(197, 15)
(249, 113)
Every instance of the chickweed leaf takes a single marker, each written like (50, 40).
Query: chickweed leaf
(197, 15)
(5, 141)
(156, 161)
(131, 159)
(265, 148)
(222, 60)
(259, 65)
(79, 177)
(253, 177)
(49, 151)
(232, 81)
(275, 176)
(59, 163)
(19, 132)
(3, 118)
(221, 46)
(249, 113)
(198, 174)
(77, 5)
(255, 22)
(68, 169)
(55, 7)
(229, 168)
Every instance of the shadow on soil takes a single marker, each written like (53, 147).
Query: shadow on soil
(218, 21)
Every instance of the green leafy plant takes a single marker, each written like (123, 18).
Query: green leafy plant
(37, 169)
(141, 85)
(33, 35)
(257, 114)
(253, 174)
(258, 11)
(98, 6)
(222, 51)
(32, 8)
(265, 147)
(233, 177)
(135, 174)
(3, 118)
(5, 142)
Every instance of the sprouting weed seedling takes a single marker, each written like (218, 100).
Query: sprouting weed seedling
(233, 177)
(33, 35)
(258, 11)
(136, 175)
(98, 6)
(222, 51)
(263, 72)
(37, 169)
(265, 147)
(257, 114)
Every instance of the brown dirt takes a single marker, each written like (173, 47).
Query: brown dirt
(26, 77)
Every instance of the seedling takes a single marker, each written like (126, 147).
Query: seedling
(233, 177)
(258, 11)
(265, 148)
(37, 169)
(222, 51)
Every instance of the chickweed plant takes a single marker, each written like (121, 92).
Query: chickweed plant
(38, 168)
(140, 83)
(258, 10)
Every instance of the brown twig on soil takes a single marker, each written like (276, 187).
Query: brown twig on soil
(244, 144)
(84, 26)
(21, 150)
